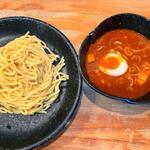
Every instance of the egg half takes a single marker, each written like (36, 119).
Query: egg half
(113, 64)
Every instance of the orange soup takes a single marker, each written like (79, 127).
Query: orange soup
(118, 63)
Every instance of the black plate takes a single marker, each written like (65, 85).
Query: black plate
(27, 132)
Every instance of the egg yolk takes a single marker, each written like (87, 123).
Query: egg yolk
(113, 64)
(110, 62)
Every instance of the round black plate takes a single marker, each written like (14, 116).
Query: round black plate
(27, 132)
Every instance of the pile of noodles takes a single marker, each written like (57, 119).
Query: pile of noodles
(29, 80)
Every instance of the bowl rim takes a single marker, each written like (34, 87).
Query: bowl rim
(88, 82)
(69, 118)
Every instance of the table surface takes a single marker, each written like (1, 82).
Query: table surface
(101, 123)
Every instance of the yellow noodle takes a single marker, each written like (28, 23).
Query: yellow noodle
(140, 50)
(134, 70)
(29, 80)
(131, 80)
(127, 51)
(136, 58)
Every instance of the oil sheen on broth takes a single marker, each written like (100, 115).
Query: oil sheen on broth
(119, 63)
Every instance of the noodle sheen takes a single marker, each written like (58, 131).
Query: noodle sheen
(29, 81)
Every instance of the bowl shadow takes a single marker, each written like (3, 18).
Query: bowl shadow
(112, 105)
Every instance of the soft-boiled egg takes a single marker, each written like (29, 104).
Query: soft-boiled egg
(113, 64)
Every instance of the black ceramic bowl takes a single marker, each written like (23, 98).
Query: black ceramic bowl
(120, 21)
(28, 132)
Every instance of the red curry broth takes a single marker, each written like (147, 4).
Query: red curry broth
(134, 48)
